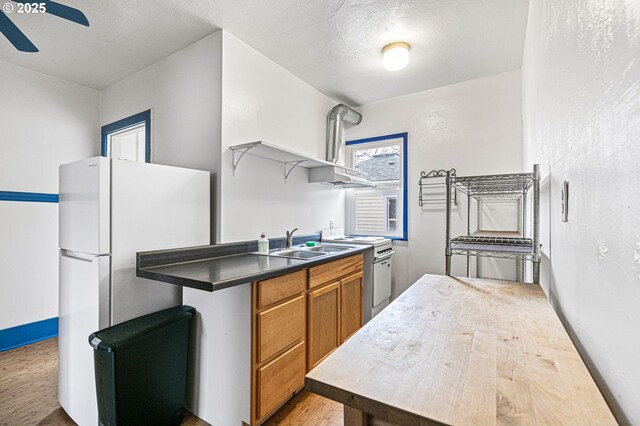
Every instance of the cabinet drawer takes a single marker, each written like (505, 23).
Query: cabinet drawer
(280, 327)
(279, 379)
(335, 270)
(280, 288)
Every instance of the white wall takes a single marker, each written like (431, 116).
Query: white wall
(183, 92)
(44, 122)
(263, 101)
(474, 127)
(581, 81)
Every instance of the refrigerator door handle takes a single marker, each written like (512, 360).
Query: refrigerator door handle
(78, 255)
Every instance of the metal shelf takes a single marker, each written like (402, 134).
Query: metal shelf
(493, 254)
(290, 159)
(500, 244)
(485, 233)
(513, 245)
(504, 186)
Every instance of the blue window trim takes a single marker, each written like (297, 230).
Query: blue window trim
(125, 123)
(25, 334)
(34, 197)
(405, 167)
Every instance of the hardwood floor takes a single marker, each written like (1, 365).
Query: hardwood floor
(306, 409)
(29, 386)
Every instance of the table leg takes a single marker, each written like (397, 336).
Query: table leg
(353, 417)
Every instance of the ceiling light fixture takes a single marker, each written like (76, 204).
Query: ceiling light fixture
(395, 56)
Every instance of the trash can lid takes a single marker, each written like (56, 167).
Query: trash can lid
(119, 335)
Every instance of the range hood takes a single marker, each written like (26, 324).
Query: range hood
(339, 176)
(339, 116)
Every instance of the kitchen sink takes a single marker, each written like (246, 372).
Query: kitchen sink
(304, 252)
(325, 249)
(297, 253)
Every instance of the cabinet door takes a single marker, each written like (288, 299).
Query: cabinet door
(350, 306)
(324, 322)
(279, 379)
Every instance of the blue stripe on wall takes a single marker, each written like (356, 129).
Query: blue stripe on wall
(21, 335)
(35, 197)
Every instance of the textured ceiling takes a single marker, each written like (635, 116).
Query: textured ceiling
(125, 36)
(334, 45)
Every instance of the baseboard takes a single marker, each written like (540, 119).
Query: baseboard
(21, 335)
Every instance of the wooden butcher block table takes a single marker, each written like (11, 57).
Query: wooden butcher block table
(464, 352)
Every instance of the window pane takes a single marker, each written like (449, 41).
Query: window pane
(391, 214)
(391, 207)
(378, 164)
(378, 211)
(128, 144)
(370, 212)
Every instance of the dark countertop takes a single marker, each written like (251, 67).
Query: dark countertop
(212, 268)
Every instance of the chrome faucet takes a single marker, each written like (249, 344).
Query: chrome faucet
(290, 237)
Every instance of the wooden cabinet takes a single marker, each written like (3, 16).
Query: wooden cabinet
(350, 305)
(324, 322)
(280, 327)
(334, 306)
(298, 319)
(279, 379)
(278, 349)
(333, 271)
(281, 288)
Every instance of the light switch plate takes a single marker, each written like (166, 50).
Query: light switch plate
(565, 201)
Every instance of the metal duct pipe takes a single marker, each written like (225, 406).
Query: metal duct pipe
(338, 116)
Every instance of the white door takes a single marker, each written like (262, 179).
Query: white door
(84, 309)
(84, 206)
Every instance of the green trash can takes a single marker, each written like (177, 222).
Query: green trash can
(141, 369)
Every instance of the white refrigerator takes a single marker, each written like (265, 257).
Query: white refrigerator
(109, 210)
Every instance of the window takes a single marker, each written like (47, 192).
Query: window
(129, 138)
(380, 211)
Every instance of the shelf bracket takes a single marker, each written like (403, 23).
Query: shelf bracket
(242, 151)
(289, 166)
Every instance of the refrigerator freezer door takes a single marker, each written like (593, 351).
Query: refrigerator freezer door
(152, 207)
(84, 206)
(84, 309)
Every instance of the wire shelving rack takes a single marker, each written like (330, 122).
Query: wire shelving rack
(498, 244)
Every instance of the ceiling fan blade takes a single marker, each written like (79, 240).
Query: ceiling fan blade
(62, 11)
(66, 12)
(15, 36)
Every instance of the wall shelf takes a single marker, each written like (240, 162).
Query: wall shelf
(290, 159)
